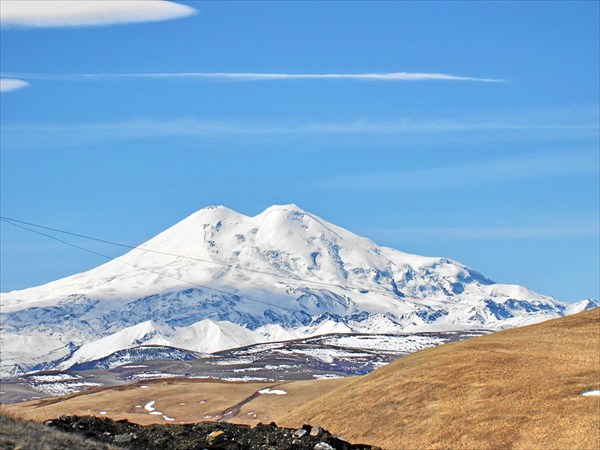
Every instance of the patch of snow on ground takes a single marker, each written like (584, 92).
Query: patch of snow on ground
(378, 364)
(280, 366)
(595, 393)
(394, 344)
(326, 376)
(151, 409)
(53, 378)
(259, 348)
(63, 388)
(244, 378)
(167, 417)
(476, 333)
(140, 366)
(231, 362)
(325, 355)
(150, 406)
(248, 369)
(150, 376)
(272, 391)
(266, 367)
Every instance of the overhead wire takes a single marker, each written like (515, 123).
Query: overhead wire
(207, 261)
(139, 248)
(145, 268)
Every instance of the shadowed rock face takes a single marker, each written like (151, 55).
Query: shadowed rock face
(222, 436)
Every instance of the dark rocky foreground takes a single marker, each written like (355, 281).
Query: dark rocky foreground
(199, 436)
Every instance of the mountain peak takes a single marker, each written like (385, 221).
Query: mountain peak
(216, 209)
(230, 274)
(219, 211)
(285, 207)
(290, 207)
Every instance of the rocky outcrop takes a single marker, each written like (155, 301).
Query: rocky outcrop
(204, 435)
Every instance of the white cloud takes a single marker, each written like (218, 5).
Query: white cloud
(487, 234)
(582, 125)
(489, 171)
(81, 13)
(251, 76)
(11, 84)
(393, 76)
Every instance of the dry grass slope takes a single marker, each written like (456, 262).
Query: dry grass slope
(19, 435)
(184, 400)
(518, 388)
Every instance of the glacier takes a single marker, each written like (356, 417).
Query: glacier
(219, 279)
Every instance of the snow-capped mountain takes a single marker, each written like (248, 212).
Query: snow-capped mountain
(219, 279)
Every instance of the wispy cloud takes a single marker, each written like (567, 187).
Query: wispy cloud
(560, 231)
(69, 13)
(393, 76)
(193, 126)
(11, 84)
(499, 170)
(252, 76)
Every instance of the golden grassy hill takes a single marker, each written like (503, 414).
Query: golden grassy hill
(518, 388)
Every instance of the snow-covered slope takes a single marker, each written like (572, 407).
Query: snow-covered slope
(220, 279)
(205, 336)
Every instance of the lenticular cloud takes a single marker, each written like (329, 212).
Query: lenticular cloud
(68, 13)
(11, 84)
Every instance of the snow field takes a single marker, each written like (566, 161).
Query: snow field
(272, 391)
(594, 393)
(299, 265)
(152, 410)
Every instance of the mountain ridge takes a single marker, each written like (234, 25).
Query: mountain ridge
(283, 267)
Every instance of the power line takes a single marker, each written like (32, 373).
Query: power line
(131, 247)
(218, 263)
(143, 268)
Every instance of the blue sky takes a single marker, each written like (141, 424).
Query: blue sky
(485, 149)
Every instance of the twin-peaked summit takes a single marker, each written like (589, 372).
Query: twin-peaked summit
(282, 270)
(283, 244)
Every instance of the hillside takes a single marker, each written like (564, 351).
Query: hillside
(518, 388)
(21, 434)
(180, 401)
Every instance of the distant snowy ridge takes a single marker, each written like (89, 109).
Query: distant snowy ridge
(219, 279)
(202, 337)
